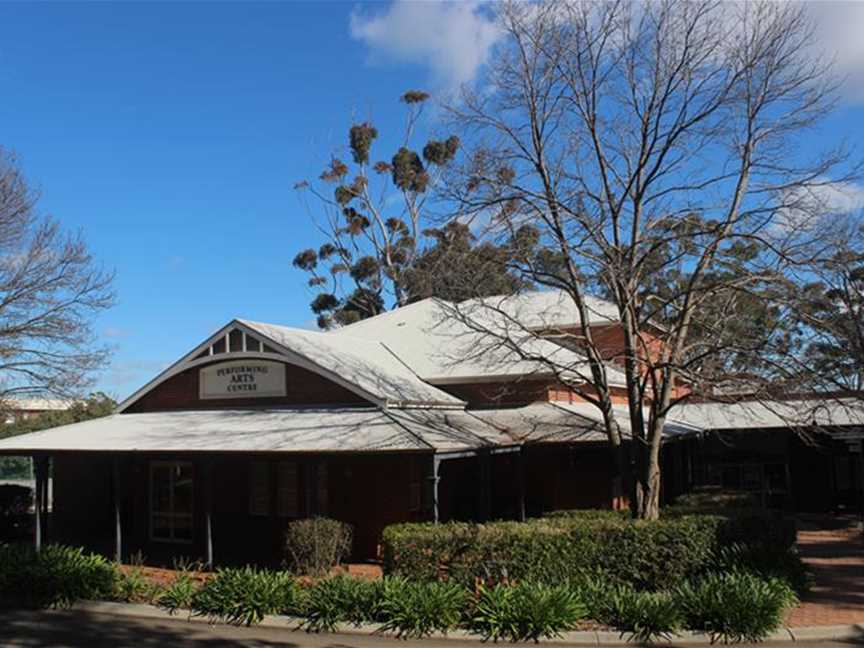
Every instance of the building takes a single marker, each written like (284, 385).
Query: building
(23, 409)
(412, 415)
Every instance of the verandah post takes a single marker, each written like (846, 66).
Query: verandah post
(435, 478)
(39, 492)
(520, 482)
(118, 528)
(208, 510)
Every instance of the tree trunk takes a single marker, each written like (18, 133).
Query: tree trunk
(646, 505)
(647, 496)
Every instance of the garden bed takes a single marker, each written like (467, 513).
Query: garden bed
(733, 579)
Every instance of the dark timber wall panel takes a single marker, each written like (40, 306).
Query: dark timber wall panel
(303, 388)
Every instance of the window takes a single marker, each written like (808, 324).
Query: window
(235, 341)
(171, 501)
(259, 488)
(287, 493)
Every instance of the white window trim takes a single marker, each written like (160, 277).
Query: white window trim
(170, 514)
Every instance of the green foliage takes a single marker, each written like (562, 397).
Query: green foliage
(360, 139)
(526, 611)
(179, 595)
(766, 562)
(96, 405)
(315, 545)
(244, 596)
(306, 260)
(55, 577)
(414, 97)
(416, 609)
(134, 587)
(735, 606)
(590, 515)
(441, 152)
(340, 599)
(647, 555)
(647, 616)
(455, 268)
(408, 172)
(15, 519)
(711, 501)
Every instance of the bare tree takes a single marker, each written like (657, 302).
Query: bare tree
(648, 153)
(50, 289)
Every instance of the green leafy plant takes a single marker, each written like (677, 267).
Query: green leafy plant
(244, 596)
(340, 599)
(315, 545)
(735, 606)
(645, 616)
(57, 576)
(179, 595)
(133, 587)
(416, 609)
(526, 611)
(765, 562)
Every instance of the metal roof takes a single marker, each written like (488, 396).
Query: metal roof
(366, 364)
(441, 347)
(542, 422)
(264, 430)
(548, 309)
(826, 412)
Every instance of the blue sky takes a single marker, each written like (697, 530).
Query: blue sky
(172, 135)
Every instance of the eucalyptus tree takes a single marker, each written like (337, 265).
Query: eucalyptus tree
(371, 213)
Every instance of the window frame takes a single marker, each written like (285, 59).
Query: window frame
(170, 514)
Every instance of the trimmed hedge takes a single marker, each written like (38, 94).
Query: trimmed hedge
(648, 555)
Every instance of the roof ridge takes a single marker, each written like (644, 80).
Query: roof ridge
(386, 314)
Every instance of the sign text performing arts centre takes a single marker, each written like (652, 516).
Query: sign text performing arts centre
(242, 379)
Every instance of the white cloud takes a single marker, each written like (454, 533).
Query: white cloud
(806, 208)
(840, 27)
(454, 39)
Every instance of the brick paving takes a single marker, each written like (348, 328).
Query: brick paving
(836, 558)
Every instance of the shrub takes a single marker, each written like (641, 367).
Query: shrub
(133, 587)
(645, 554)
(590, 514)
(735, 606)
(767, 563)
(712, 501)
(526, 611)
(416, 609)
(244, 596)
(179, 595)
(315, 545)
(15, 521)
(340, 599)
(647, 616)
(57, 576)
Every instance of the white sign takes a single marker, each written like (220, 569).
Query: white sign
(242, 379)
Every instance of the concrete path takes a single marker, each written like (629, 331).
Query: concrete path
(836, 558)
(84, 629)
